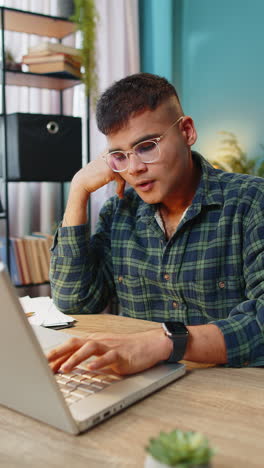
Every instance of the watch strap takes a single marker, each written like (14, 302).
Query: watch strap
(179, 346)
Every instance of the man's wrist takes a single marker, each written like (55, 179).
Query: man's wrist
(178, 334)
(165, 345)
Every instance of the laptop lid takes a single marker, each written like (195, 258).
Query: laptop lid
(27, 383)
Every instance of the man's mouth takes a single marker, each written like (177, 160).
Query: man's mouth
(145, 185)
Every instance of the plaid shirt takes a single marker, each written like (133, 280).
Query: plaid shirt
(210, 271)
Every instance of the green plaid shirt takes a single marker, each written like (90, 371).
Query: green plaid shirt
(210, 271)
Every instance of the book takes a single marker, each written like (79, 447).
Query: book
(43, 259)
(46, 48)
(58, 57)
(32, 260)
(23, 261)
(63, 68)
(48, 240)
(18, 267)
(32, 248)
(14, 272)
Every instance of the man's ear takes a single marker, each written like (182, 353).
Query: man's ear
(188, 130)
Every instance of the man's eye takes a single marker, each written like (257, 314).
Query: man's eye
(145, 147)
(118, 156)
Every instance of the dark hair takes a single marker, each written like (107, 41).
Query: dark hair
(130, 96)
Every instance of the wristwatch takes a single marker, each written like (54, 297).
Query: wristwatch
(178, 333)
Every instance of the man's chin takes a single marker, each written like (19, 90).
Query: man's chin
(149, 198)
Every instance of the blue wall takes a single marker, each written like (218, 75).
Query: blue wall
(156, 31)
(216, 62)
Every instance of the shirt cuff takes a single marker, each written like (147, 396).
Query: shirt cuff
(243, 339)
(71, 241)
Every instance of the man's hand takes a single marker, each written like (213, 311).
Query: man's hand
(96, 174)
(124, 354)
(87, 180)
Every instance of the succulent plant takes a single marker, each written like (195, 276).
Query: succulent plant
(180, 449)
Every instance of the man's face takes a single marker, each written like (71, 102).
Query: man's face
(166, 179)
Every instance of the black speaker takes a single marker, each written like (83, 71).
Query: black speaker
(43, 147)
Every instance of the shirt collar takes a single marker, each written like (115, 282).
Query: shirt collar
(209, 191)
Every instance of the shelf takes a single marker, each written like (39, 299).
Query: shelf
(31, 285)
(37, 180)
(2, 215)
(37, 80)
(37, 23)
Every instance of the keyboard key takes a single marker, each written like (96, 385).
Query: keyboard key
(71, 384)
(79, 371)
(78, 378)
(82, 393)
(70, 399)
(86, 388)
(65, 390)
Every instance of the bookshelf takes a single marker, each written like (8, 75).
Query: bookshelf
(41, 25)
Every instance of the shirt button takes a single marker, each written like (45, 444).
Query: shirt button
(166, 276)
(175, 305)
(221, 284)
(120, 279)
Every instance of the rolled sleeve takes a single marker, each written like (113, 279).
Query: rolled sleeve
(71, 241)
(243, 329)
(244, 340)
(80, 270)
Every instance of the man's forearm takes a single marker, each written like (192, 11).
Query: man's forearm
(206, 343)
(76, 209)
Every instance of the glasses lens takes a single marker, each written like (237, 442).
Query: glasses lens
(117, 161)
(147, 151)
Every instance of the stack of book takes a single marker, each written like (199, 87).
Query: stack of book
(29, 258)
(55, 58)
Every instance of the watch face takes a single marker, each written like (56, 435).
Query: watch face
(176, 328)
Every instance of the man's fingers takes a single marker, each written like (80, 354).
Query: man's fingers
(56, 365)
(89, 349)
(66, 348)
(110, 357)
(120, 186)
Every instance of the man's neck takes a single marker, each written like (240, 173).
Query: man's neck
(177, 203)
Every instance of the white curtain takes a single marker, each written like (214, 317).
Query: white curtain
(117, 56)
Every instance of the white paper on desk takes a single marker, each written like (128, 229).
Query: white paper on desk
(45, 312)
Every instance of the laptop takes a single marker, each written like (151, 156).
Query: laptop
(71, 402)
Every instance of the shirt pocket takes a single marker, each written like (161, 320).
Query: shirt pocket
(133, 297)
(217, 297)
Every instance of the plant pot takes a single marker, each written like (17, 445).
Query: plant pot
(151, 462)
(65, 8)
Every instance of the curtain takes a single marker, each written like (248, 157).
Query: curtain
(117, 56)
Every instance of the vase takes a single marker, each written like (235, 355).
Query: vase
(151, 462)
(65, 8)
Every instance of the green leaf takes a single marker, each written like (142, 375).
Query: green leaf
(181, 449)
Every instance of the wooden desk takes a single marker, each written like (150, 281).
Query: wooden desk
(225, 404)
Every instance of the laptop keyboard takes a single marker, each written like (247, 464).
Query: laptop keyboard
(80, 383)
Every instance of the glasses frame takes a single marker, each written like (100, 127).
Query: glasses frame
(155, 140)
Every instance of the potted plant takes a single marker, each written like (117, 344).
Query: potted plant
(178, 449)
(85, 17)
(232, 158)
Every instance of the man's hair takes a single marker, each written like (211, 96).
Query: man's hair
(130, 96)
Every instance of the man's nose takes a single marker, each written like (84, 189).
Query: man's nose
(135, 164)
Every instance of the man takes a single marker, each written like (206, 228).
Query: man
(184, 244)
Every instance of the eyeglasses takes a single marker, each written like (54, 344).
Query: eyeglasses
(147, 151)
